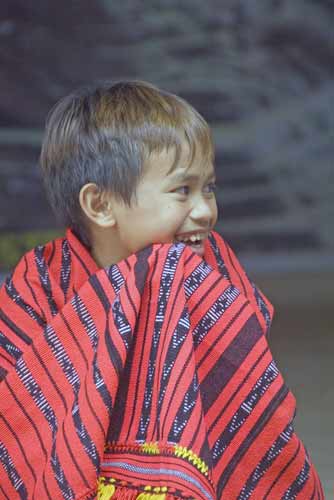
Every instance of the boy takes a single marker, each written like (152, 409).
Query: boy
(134, 355)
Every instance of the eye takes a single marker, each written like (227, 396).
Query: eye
(184, 190)
(210, 188)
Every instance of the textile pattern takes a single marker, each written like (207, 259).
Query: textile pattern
(150, 379)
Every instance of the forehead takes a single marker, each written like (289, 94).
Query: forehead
(180, 162)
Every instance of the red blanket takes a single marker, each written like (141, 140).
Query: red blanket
(148, 380)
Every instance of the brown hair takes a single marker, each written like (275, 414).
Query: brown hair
(104, 134)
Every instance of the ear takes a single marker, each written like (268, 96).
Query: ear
(96, 205)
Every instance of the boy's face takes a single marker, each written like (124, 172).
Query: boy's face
(169, 207)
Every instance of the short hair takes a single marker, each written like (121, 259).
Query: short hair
(104, 134)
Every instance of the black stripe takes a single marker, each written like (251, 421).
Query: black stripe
(3, 372)
(126, 261)
(296, 487)
(4, 493)
(262, 306)
(43, 405)
(116, 282)
(169, 268)
(44, 278)
(112, 351)
(8, 322)
(242, 413)
(20, 446)
(32, 291)
(129, 297)
(234, 267)
(194, 280)
(217, 339)
(111, 348)
(167, 360)
(99, 423)
(230, 360)
(14, 295)
(282, 471)
(65, 270)
(9, 348)
(205, 452)
(257, 361)
(66, 409)
(128, 364)
(121, 401)
(221, 265)
(255, 431)
(52, 252)
(69, 328)
(185, 364)
(80, 260)
(265, 462)
(35, 429)
(204, 296)
(81, 473)
(189, 258)
(78, 305)
(12, 473)
(73, 379)
(122, 396)
(60, 394)
(141, 268)
(101, 294)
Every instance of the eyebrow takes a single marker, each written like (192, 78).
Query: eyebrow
(191, 178)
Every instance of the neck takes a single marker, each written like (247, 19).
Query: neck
(102, 258)
(104, 248)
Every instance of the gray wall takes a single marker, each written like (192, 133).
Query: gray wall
(260, 72)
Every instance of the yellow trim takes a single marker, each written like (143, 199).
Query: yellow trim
(159, 493)
(151, 448)
(151, 496)
(181, 451)
(105, 491)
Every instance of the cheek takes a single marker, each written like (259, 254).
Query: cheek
(175, 213)
(215, 212)
(168, 218)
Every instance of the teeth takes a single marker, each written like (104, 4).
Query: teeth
(192, 238)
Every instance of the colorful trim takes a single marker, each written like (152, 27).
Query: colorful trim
(156, 472)
(181, 451)
(105, 490)
(107, 487)
(153, 448)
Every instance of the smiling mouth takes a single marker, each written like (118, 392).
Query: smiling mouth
(195, 239)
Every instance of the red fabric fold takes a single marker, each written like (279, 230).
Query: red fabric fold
(153, 377)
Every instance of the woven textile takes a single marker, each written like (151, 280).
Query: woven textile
(148, 380)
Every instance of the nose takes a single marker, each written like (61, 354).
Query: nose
(204, 211)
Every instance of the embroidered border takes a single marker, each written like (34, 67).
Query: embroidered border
(153, 448)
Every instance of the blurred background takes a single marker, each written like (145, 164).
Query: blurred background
(262, 75)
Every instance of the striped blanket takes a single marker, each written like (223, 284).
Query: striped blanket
(148, 380)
